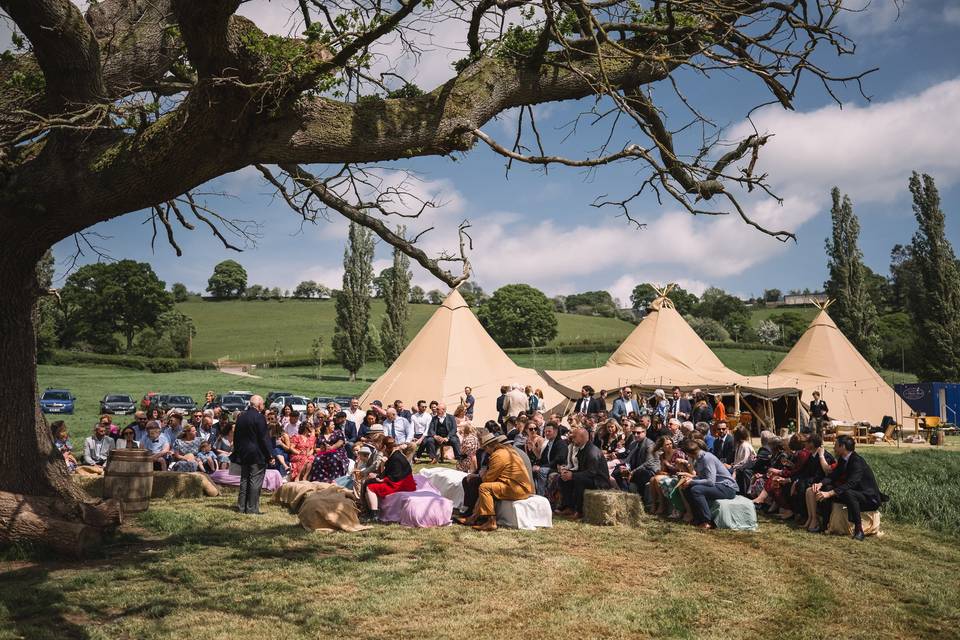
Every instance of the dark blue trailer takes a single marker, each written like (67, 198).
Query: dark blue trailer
(933, 399)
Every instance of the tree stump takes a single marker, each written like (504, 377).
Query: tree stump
(607, 508)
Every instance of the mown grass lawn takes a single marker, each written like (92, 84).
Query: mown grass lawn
(196, 569)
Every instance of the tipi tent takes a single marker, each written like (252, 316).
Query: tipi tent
(450, 352)
(662, 351)
(824, 360)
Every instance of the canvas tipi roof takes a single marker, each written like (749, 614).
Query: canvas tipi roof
(662, 351)
(451, 351)
(824, 360)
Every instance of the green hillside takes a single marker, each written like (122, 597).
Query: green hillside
(252, 331)
(759, 315)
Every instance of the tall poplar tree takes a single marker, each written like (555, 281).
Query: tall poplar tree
(853, 310)
(351, 339)
(935, 296)
(396, 293)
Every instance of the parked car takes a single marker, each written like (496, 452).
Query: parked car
(120, 404)
(273, 395)
(183, 403)
(297, 403)
(343, 401)
(232, 402)
(57, 401)
(322, 401)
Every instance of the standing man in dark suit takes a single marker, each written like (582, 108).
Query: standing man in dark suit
(851, 483)
(251, 450)
(553, 454)
(818, 413)
(443, 431)
(587, 404)
(501, 404)
(591, 473)
(679, 406)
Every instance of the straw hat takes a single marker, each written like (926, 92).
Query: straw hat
(488, 439)
(375, 429)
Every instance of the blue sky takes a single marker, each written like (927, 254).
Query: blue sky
(541, 229)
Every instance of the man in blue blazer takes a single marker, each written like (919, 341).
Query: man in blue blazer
(679, 406)
(252, 451)
(626, 403)
(442, 431)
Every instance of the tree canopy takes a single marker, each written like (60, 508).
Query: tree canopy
(229, 280)
(517, 315)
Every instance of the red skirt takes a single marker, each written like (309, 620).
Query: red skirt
(387, 487)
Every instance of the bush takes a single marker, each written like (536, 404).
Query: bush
(708, 329)
(157, 365)
(163, 365)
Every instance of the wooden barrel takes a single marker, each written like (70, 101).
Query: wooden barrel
(129, 478)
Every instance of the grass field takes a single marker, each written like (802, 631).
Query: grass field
(252, 331)
(760, 314)
(196, 569)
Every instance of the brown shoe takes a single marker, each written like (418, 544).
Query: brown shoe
(466, 520)
(489, 525)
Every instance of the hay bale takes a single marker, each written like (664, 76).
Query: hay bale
(612, 507)
(176, 484)
(330, 509)
(839, 525)
(90, 483)
(292, 494)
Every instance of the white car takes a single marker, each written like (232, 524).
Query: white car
(297, 403)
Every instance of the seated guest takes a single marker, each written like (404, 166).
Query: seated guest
(817, 466)
(206, 457)
(330, 457)
(397, 476)
(174, 422)
(591, 473)
(672, 462)
(711, 481)
(185, 449)
(704, 433)
(97, 447)
(397, 427)
(139, 425)
(609, 438)
(223, 446)
(113, 431)
(702, 409)
(301, 456)
(370, 418)
(784, 477)
(420, 420)
(157, 445)
(743, 457)
(442, 432)
(643, 463)
(506, 478)
(280, 446)
(206, 430)
(553, 453)
(723, 443)
(127, 439)
(61, 439)
(852, 484)
(351, 431)
(673, 427)
(469, 444)
(510, 428)
(471, 482)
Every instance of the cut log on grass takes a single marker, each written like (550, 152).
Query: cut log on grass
(612, 507)
(41, 520)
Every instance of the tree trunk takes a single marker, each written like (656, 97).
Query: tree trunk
(32, 465)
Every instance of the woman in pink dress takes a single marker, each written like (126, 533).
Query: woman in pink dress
(303, 442)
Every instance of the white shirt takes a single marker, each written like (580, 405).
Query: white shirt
(400, 429)
(421, 422)
(356, 417)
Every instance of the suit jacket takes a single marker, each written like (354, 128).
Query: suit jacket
(592, 466)
(450, 422)
(684, 406)
(703, 413)
(515, 403)
(556, 456)
(621, 408)
(350, 432)
(723, 449)
(250, 442)
(641, 455)
(501, 401)
(593, 405)
(90, 450)
(854, 474)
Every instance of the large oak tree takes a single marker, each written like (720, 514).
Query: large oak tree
(135, 103)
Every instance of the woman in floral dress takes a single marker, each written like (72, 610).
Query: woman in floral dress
(468, 448)
(330, 461)
(303, 443)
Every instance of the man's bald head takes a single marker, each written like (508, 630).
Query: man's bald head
(257, 402)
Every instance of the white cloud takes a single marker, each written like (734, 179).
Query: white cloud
(951, 14)
(872, 17)
(867, 151)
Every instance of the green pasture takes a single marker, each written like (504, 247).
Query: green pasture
(254, 331)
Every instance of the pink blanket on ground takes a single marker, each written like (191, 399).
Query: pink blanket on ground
(271, 481)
